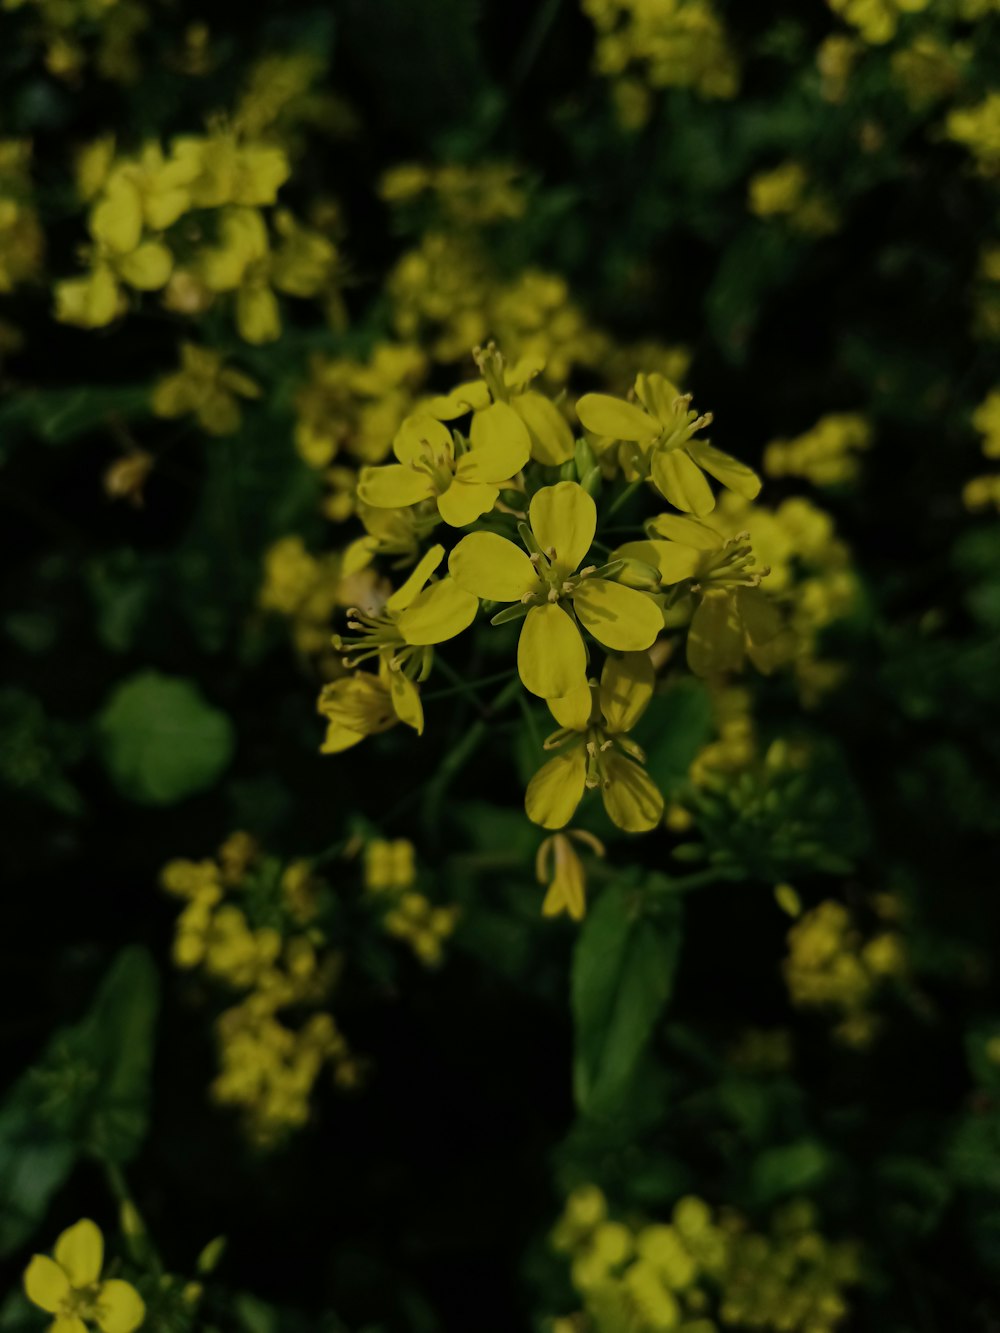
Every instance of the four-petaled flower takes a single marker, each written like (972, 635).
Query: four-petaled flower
(551, 657)
(464, 485)
(595, 752)
(70, 1287)
(659, 443)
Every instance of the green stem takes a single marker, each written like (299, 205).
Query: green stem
(465, 686)
(456, 759)
(624, 497)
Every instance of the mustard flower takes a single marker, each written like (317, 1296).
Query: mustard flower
(658, 440)
(559, 866)
(240, 263)
(594, 751)
(205, 387)
(70, 1287)
(464, 484)
(552, 592)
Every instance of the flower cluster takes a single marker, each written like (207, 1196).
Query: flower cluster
(826, 454)
(876, 20)
(389, 879)
(787, 192)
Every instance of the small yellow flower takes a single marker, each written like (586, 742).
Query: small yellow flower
(558, 865)
(658, 441)
(551, 657)
(361, 705)
(70, 1287)
(464, 485)
(205, 387)
(595, 752)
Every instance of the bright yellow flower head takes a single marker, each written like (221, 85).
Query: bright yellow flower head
(552, 592)
(658, 443)
(70, 1287)
(464, 485)
(594, 751)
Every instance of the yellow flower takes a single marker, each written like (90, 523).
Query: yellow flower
(658, 434)
(358, 706)
(241, 263)
(465, 486)
(70, 1287)
(551, 657)
(205, 387)
(558, 865)
(595, 751)
(89, 302)
(225, 171)
(733, 617)
(389, 865)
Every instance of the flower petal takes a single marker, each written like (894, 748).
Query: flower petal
(631, 798)
(603, 415)
(465, 501)
(675, 562)
(438, 613)
(619, 617)
(501, 445)
(492, 567)
(422, 571)
(469, 397)
(723, 467)
(406, 701)
(79, 1252)
(557, 788)
(421, 436)
(564, 519)
(45, 1283)
(766, 645)
(67, 1323)
(657, 395)
(551, 658)
(393, 486)
(573, 710)
(551, 437)
(147, 268)
(715, 637)
(120, 1308)
(258, 316)
(682, 482)
(626, 689)
(687, 531)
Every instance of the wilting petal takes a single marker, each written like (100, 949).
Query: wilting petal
(618, 617)
(438, 613)
(557, 788)
(730, 471)
(626, 689)
(79, 1252)
(394, 486)
(422, 571)
(631, 797)
(573, 710)
(715, 638)
(120, 1308)
(682, 482)
(603, 415)
(551, 437)
(551, 658)
(501, 445)
(492, 567)
(45, 1283)
(564, 519)
(463, 502)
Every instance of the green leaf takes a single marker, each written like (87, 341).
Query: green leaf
(59, 415)
(673, 729)
(793, 1168)
(623, 971)
(161, 741)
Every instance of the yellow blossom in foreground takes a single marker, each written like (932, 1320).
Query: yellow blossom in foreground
(558, 866)
(205, 387)
(70, 1287)
(595, 752)
(362, 705)
(551, 657)
(658, 434)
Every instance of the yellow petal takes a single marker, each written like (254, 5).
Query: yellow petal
(631, 797)
(551, 437)
(463, 502)
(120, 1308)
(551, 658)
(687, 531)
(471, 397)
(658, 396)
(603, 415)
(715, 638)
(147, 268)
(730, 471)
(406, 701)
(766, 645)
(567, 890)
(493, 567)
(117, 220)
(626, 689)
(394, 486)
(501, 445)
(557, 788)
(340, 737)
(67, 1323)
(564, 519)
(674, 562)
(257, 315)
(619, 617)
(438, 613)
(419, 437)
(421, 572)
(45, 1283)
(173, 396)
(682, 482)
(79, 1252)
(573, 710)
